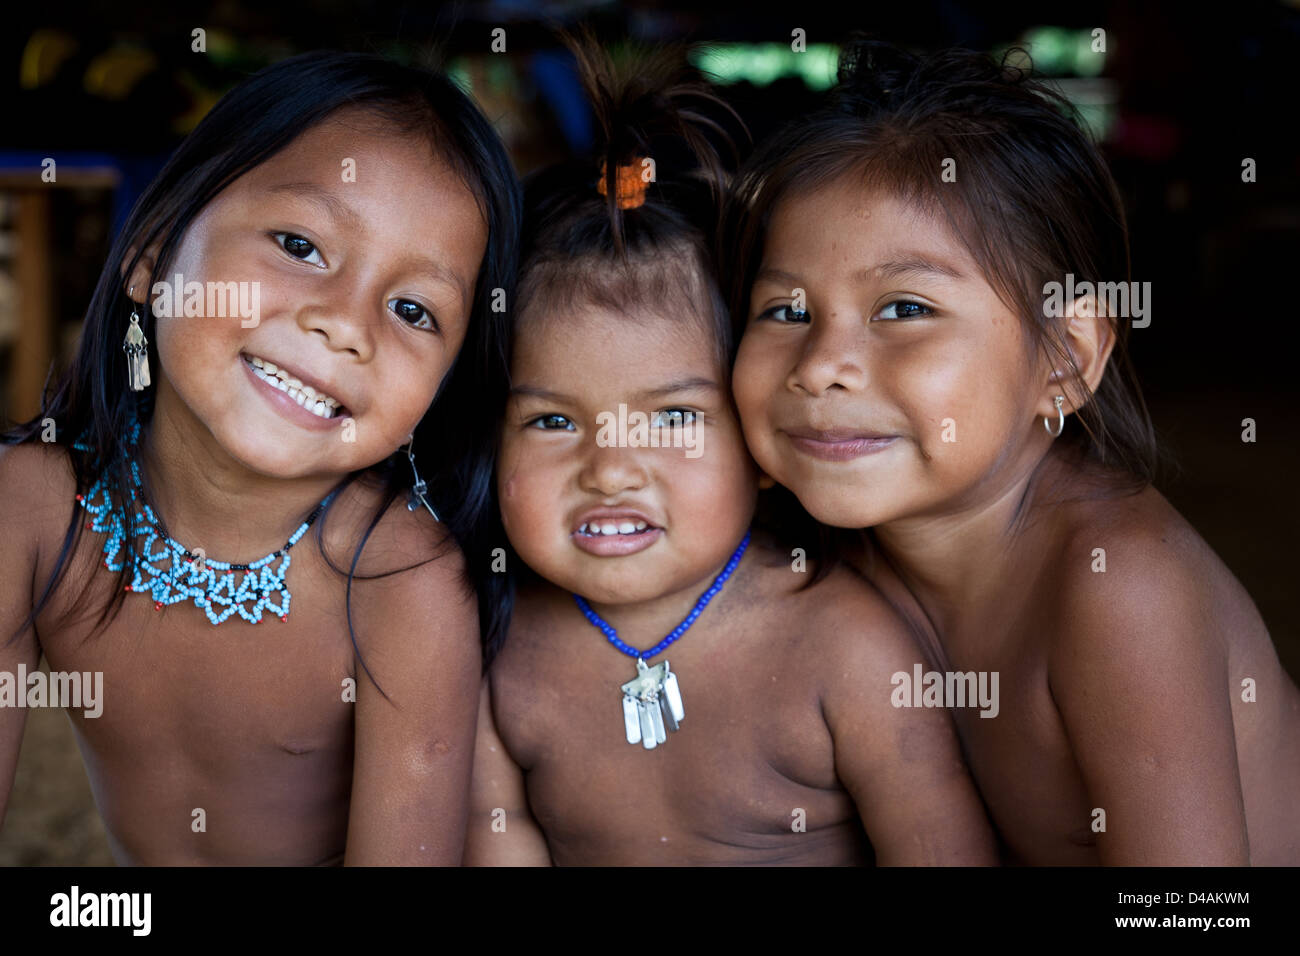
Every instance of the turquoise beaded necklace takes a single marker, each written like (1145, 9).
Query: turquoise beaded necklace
(170, 572)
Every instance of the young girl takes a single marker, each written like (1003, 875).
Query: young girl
(904, 368)
(675, 689)
(360, 213)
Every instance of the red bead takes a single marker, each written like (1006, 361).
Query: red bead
(80, 498)
(127, 588)
(87, 524)
(157, 605)
(284, 617)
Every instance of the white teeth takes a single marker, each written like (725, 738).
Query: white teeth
(623, 527)
(318, 403)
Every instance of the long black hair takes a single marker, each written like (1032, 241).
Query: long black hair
(249, 125)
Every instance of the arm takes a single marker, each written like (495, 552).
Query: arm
(502, 831)
(419, 633)
(18, 563)
(902, 765)
(1139, 678)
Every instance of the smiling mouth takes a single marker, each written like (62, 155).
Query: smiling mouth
(318, 403)
(837, 444)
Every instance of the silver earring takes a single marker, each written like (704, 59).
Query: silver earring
(1060, 418)
(136, 347)
(416, 497)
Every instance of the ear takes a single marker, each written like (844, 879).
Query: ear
(765, 481)
(136, 285)
(1089, 337)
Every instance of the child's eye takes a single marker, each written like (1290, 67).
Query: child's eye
(413, 313)
(552, 422)
(673, 418)
(784, 313)
(904, 309)
(298, 247)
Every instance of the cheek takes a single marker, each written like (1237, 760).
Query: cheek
(526, 493)
(961, 405)
(194, 352)
(752, 378)
(717, 488)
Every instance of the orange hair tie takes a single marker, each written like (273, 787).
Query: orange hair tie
(629, 186)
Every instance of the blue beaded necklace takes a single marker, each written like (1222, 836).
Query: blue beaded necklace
(652, 701)
(185, 575)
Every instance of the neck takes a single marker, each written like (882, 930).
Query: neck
(643, 624)
(958, 560)
(206, 499)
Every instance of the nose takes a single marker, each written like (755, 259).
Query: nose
(833, 356)
(346, 314)
(610, 471)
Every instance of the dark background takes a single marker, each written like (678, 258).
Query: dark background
(1179, 99)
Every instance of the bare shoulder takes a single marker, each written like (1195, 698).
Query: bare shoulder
(856, 631)
(37, 488)
(538, 608)
(411, 579)
(1134, 579)
(394, 539)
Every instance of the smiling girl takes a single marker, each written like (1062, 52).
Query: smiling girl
(899, 371)
(373, 210)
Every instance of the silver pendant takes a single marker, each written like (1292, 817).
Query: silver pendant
(652, 701)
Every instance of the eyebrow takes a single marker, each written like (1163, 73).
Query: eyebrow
(913, 264)
(694, 383)
(346, 216)
(907, 264)
(336, 208)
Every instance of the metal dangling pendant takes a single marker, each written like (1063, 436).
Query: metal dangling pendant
(417, 494)
(136, 347)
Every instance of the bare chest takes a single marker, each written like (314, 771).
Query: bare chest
(1016, 745)
(749, 772)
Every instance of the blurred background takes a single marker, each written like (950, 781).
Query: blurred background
(1178, 99)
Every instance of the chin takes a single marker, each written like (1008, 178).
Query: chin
(841, 511)
(613, 585)
(265, 454)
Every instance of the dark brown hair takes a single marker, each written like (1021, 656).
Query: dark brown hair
(1033, 200)
(579, 246)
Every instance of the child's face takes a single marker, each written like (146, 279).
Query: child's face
(871, 408)
(371, 304)
(559, 471)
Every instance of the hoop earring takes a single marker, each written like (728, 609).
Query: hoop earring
(1060, 418)
(416, 497)
(136, 347)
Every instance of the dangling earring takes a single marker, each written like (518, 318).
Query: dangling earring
(136, 347)
(416, 497)
(1060, 418)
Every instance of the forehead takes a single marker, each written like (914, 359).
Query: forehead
(593, 348)
(359, 158)
(848, 221)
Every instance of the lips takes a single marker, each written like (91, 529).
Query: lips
(289, 408)
(614, 532)
(838, 444)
